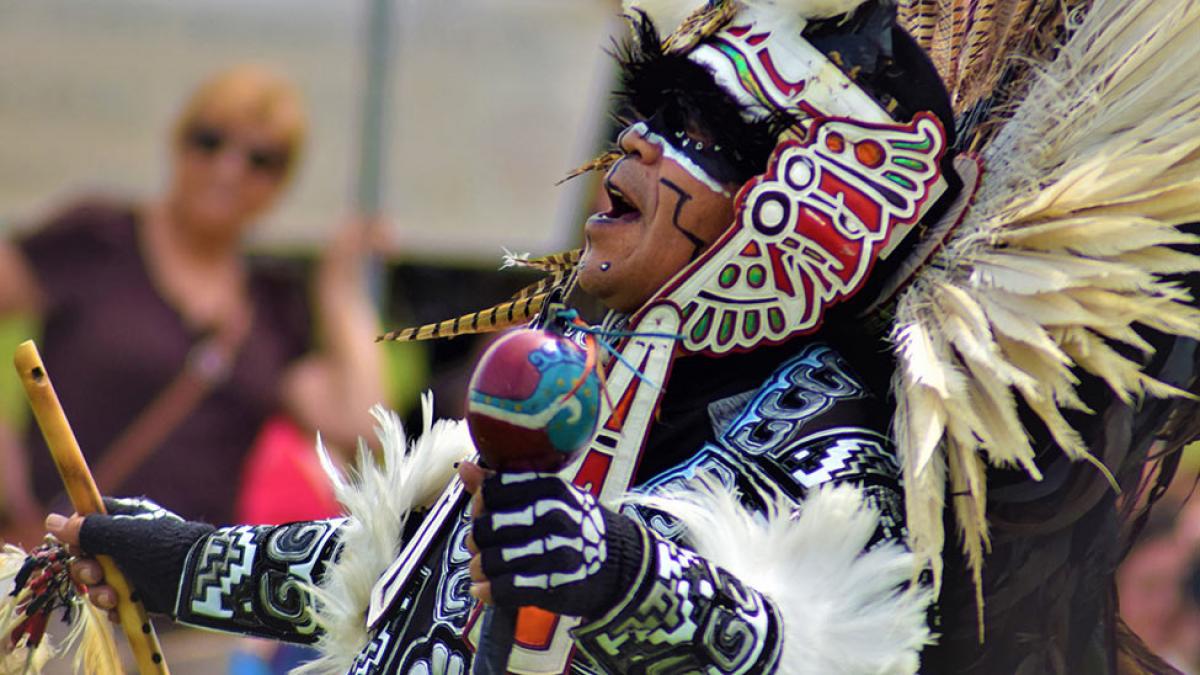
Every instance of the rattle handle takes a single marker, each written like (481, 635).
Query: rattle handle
(85, 498)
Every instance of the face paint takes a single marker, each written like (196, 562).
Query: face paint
(679, 157)
(684, 197)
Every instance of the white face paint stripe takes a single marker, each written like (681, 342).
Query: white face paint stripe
(672, 153)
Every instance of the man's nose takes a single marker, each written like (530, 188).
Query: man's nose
(634, 143)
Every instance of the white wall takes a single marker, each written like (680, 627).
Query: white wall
(493, 101)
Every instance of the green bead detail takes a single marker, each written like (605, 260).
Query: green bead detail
(688, 311)
(756, 275)
(750, 324)
(729, 276)
(725, 332)
(923, 144)
(775, 319)
(700, 330)
(910, 163)
(899, 180)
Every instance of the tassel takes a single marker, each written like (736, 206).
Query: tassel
(41, 585)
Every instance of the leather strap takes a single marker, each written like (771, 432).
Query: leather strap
(208, 364)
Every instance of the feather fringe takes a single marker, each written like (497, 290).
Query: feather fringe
(1061, 256)
(378, 498)
(89, 637)
(845, 611)
(97, 650)
(21, 660)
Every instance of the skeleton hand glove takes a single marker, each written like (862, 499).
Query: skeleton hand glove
(149, 544)
(549, 544)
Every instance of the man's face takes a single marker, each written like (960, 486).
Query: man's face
(667, 209)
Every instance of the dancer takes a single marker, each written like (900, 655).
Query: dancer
(832, 337)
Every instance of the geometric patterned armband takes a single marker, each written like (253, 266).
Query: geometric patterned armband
(684, 615)
(254, 579)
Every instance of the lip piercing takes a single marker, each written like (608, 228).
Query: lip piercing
(604, 266)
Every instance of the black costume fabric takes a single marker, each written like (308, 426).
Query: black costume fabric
(800, 429)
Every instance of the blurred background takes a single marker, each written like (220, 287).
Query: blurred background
(483, 106)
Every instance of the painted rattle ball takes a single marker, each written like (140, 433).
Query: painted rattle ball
(532, 404)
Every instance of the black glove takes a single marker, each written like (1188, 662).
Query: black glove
(149, 543)
(549, 544)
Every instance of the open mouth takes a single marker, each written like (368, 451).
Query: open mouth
(622, 207)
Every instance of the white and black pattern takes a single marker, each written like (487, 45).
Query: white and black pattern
(423, 631)
(442, 660)
(454, 588)
(544, 542)
(685, 616)
(806, 386)
(769, 448)
(839, 453)
(138, 508)
(255, 579)
(711, 461)
(371, 657)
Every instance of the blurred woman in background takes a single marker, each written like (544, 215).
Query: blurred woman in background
(168, 346)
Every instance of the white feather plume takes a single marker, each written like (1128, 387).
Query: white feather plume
(378, 498)
(1061, 253)
(845, 611)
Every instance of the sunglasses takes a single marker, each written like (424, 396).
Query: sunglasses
(210, 141)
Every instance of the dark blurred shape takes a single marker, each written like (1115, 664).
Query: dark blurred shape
(169, 345)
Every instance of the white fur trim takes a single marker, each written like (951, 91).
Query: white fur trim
(670, 14)
(844, 611)
(378, 497)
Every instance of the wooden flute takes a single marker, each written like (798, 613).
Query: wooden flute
(85, 498)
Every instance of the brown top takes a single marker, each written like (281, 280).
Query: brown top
(111, 344)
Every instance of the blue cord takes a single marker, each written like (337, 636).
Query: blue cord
(600, 333)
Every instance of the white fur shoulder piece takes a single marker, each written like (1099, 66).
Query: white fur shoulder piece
(845, 611)
(670, 14)
(378, 498)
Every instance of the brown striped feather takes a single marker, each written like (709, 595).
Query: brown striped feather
(501, 316)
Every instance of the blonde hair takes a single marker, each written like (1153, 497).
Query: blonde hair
(248, 93)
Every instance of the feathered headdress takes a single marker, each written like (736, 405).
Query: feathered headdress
(1062, 257)
(1084, 122)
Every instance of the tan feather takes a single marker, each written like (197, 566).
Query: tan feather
(969, 494)
(556, 262)
(602, 163)
(499, 317)
(96, 650)
(1060, 256)
(915, 422)
(1161, 261)
(1095, 236)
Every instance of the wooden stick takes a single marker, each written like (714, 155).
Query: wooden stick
(85, 497)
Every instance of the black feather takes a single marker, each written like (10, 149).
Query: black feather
(686, 97)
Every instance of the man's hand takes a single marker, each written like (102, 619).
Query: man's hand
(537, 540)
(84, 570)
(148, 543)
